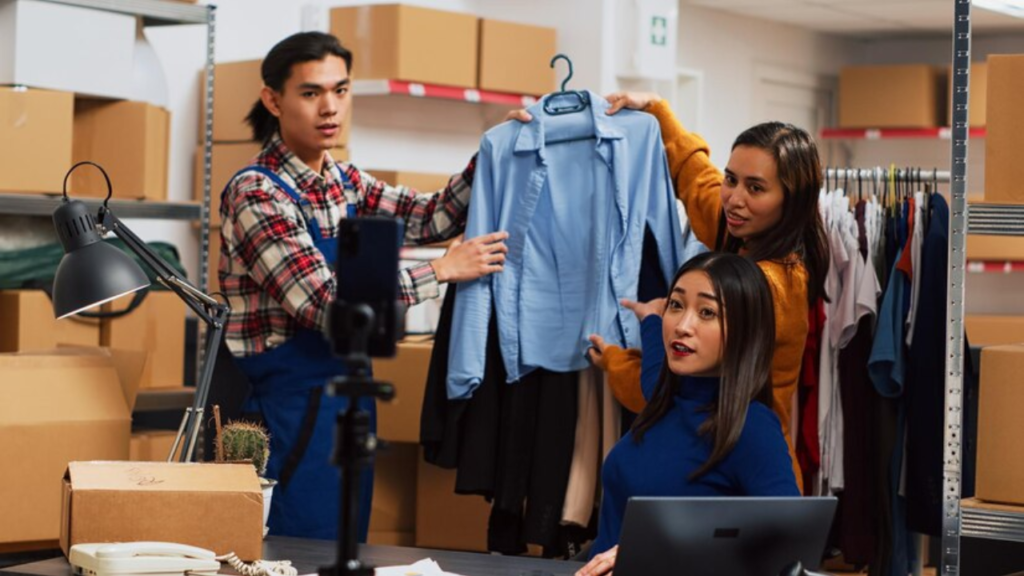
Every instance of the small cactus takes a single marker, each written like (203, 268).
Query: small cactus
(246, 441)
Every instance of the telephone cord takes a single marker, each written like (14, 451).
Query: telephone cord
(260, 567)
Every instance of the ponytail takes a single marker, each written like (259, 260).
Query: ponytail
(264, 124)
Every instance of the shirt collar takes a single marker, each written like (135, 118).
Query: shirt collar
(295, 168)
(532, 134)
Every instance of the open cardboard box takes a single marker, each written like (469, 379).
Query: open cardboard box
(218, 507)
(56, 407)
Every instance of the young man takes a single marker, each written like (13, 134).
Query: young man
(280, 219)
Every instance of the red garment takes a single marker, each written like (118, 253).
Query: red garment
(808, 451)
(906, 264)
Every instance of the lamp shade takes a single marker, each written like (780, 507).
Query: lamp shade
(91, 272)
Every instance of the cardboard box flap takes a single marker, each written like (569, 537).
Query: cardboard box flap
(39, 389)
(164, 477)
(128, 364)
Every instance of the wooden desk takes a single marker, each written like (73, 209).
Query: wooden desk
(308, 555)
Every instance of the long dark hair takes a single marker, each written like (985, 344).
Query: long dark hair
(277, 68)
(801, 230)
(747, 318)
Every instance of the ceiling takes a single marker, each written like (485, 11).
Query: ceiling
(867, 17)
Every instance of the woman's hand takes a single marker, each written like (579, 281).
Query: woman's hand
(597, 348)
(600, 564)
(645, 309)
(520, 115)
(470, 260)
(631, 100)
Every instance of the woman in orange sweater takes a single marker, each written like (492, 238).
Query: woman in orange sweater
(765, 207)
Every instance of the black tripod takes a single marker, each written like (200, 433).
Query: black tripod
(354, 444)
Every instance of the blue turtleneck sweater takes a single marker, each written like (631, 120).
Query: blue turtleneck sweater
(759, 464)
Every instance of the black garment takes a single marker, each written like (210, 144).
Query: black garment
(511, 443)
(857, 513)
(926, 373)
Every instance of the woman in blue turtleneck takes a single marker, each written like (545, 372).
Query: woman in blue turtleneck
(708, 428)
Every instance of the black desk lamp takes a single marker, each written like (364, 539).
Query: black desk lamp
(93, 272)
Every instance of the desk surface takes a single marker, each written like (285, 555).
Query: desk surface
(308, 555)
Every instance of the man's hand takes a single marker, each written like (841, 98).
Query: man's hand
(631, 100)
(470, 260)
(645, 309)
(601, 564)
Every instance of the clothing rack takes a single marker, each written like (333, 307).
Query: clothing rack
(880, 175)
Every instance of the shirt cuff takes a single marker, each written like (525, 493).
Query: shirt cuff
(418, 284)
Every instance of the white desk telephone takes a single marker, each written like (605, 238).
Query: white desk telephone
(156, 558)
(163, 559)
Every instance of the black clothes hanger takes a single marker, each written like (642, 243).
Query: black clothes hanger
(581, 99)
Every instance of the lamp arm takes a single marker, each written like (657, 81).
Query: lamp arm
(198, 301)
(213, 313)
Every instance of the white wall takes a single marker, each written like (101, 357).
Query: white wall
(729, 49)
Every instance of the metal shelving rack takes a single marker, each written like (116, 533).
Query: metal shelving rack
(153, 13)
(966, 517)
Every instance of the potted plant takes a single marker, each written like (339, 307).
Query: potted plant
(241, 441)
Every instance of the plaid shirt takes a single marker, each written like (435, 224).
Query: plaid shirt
(272, 274)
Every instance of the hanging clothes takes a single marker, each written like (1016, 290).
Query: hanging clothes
(575, 209)
(925, 393)
(857, 514)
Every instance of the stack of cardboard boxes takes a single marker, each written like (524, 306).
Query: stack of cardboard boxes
(59, 107)
(1000, 472)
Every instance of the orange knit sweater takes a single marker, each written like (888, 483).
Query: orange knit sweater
(698, 185)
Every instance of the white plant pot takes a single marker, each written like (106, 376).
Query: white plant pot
(268, 491)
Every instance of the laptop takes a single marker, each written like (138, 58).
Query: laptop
(749, 536)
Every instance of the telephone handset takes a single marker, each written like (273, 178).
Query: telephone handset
(164, 558)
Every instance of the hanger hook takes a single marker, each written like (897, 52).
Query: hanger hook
(567, 61)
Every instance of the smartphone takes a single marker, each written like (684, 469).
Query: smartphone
(367, 273)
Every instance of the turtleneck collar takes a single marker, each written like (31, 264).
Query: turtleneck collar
(701, 389)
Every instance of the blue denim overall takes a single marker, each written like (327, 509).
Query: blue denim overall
(288, 390)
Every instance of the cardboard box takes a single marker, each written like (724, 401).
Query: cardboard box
(394, 489)
(400, 42)
(977, 106)
(419, 181)
(516, 57)
(1004, 138)
(990, 330)
(994, 330)
(60, 47)
(227, 160)
(403, 539)
(130, 140)
(903, 96)
(444, 519)
(236, 86)
(35, 136)
(27, 324)
(218, 507)
(156, 327)
(56, 408)
(151, 446)
(999, 248)
(399, 420)
(1000, 470)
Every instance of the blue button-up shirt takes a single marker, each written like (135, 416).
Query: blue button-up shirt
(575, 210)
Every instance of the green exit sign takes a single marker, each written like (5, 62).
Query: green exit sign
(659, 30)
